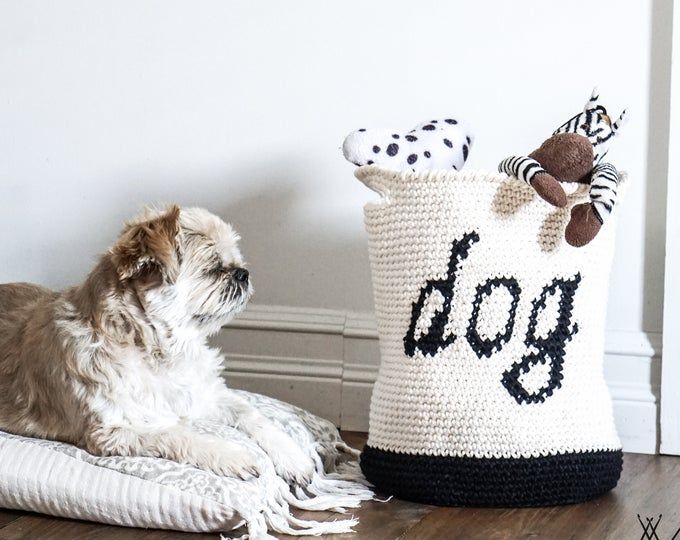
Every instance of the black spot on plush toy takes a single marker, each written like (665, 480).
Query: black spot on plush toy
(437, 144)
(574, 154)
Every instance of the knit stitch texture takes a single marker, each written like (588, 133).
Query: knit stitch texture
(492, 344)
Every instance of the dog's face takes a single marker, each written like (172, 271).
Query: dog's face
(185, 266)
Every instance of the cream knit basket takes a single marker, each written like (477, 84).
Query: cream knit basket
(491, 389)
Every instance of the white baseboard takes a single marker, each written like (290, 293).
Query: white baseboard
(326, 361)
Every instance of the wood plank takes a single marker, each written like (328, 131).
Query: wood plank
(7, 516)
(377, 520)
(650, 486)
(385, 520)
(51, 528)
(355, 439)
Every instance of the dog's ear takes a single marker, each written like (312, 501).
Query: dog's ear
(148, 247)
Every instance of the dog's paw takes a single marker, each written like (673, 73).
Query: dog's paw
(227, 458)
(290, 461)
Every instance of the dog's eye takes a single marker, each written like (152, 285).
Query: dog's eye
(216, 268)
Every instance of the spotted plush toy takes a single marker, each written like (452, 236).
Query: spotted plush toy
(437, 144)
(574, 154)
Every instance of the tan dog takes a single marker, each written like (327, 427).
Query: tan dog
(120, 366)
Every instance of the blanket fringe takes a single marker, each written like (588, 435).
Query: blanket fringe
(342, 446)
(335, 492)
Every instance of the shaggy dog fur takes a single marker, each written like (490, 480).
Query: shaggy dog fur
(120, 365)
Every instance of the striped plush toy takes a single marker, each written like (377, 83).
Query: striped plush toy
(574, 153)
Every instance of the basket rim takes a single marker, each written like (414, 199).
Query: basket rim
(366, 171)
(379, 179)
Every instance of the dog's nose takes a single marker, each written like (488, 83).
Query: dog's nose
(241, 274)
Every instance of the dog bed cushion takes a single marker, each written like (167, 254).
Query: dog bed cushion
(62, 480)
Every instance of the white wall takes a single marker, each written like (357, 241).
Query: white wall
(242, 107)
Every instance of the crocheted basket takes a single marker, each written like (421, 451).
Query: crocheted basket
(491, 389)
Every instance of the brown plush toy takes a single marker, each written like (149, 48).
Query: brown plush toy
(574, 154)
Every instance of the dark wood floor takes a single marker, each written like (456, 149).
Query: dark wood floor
(650, 487)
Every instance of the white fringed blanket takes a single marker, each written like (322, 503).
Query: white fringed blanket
(63, 480)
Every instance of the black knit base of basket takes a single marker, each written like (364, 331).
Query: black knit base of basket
(468, 481)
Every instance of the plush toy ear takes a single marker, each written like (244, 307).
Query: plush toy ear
(592, 102)
(148, 247)
(620, 121)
